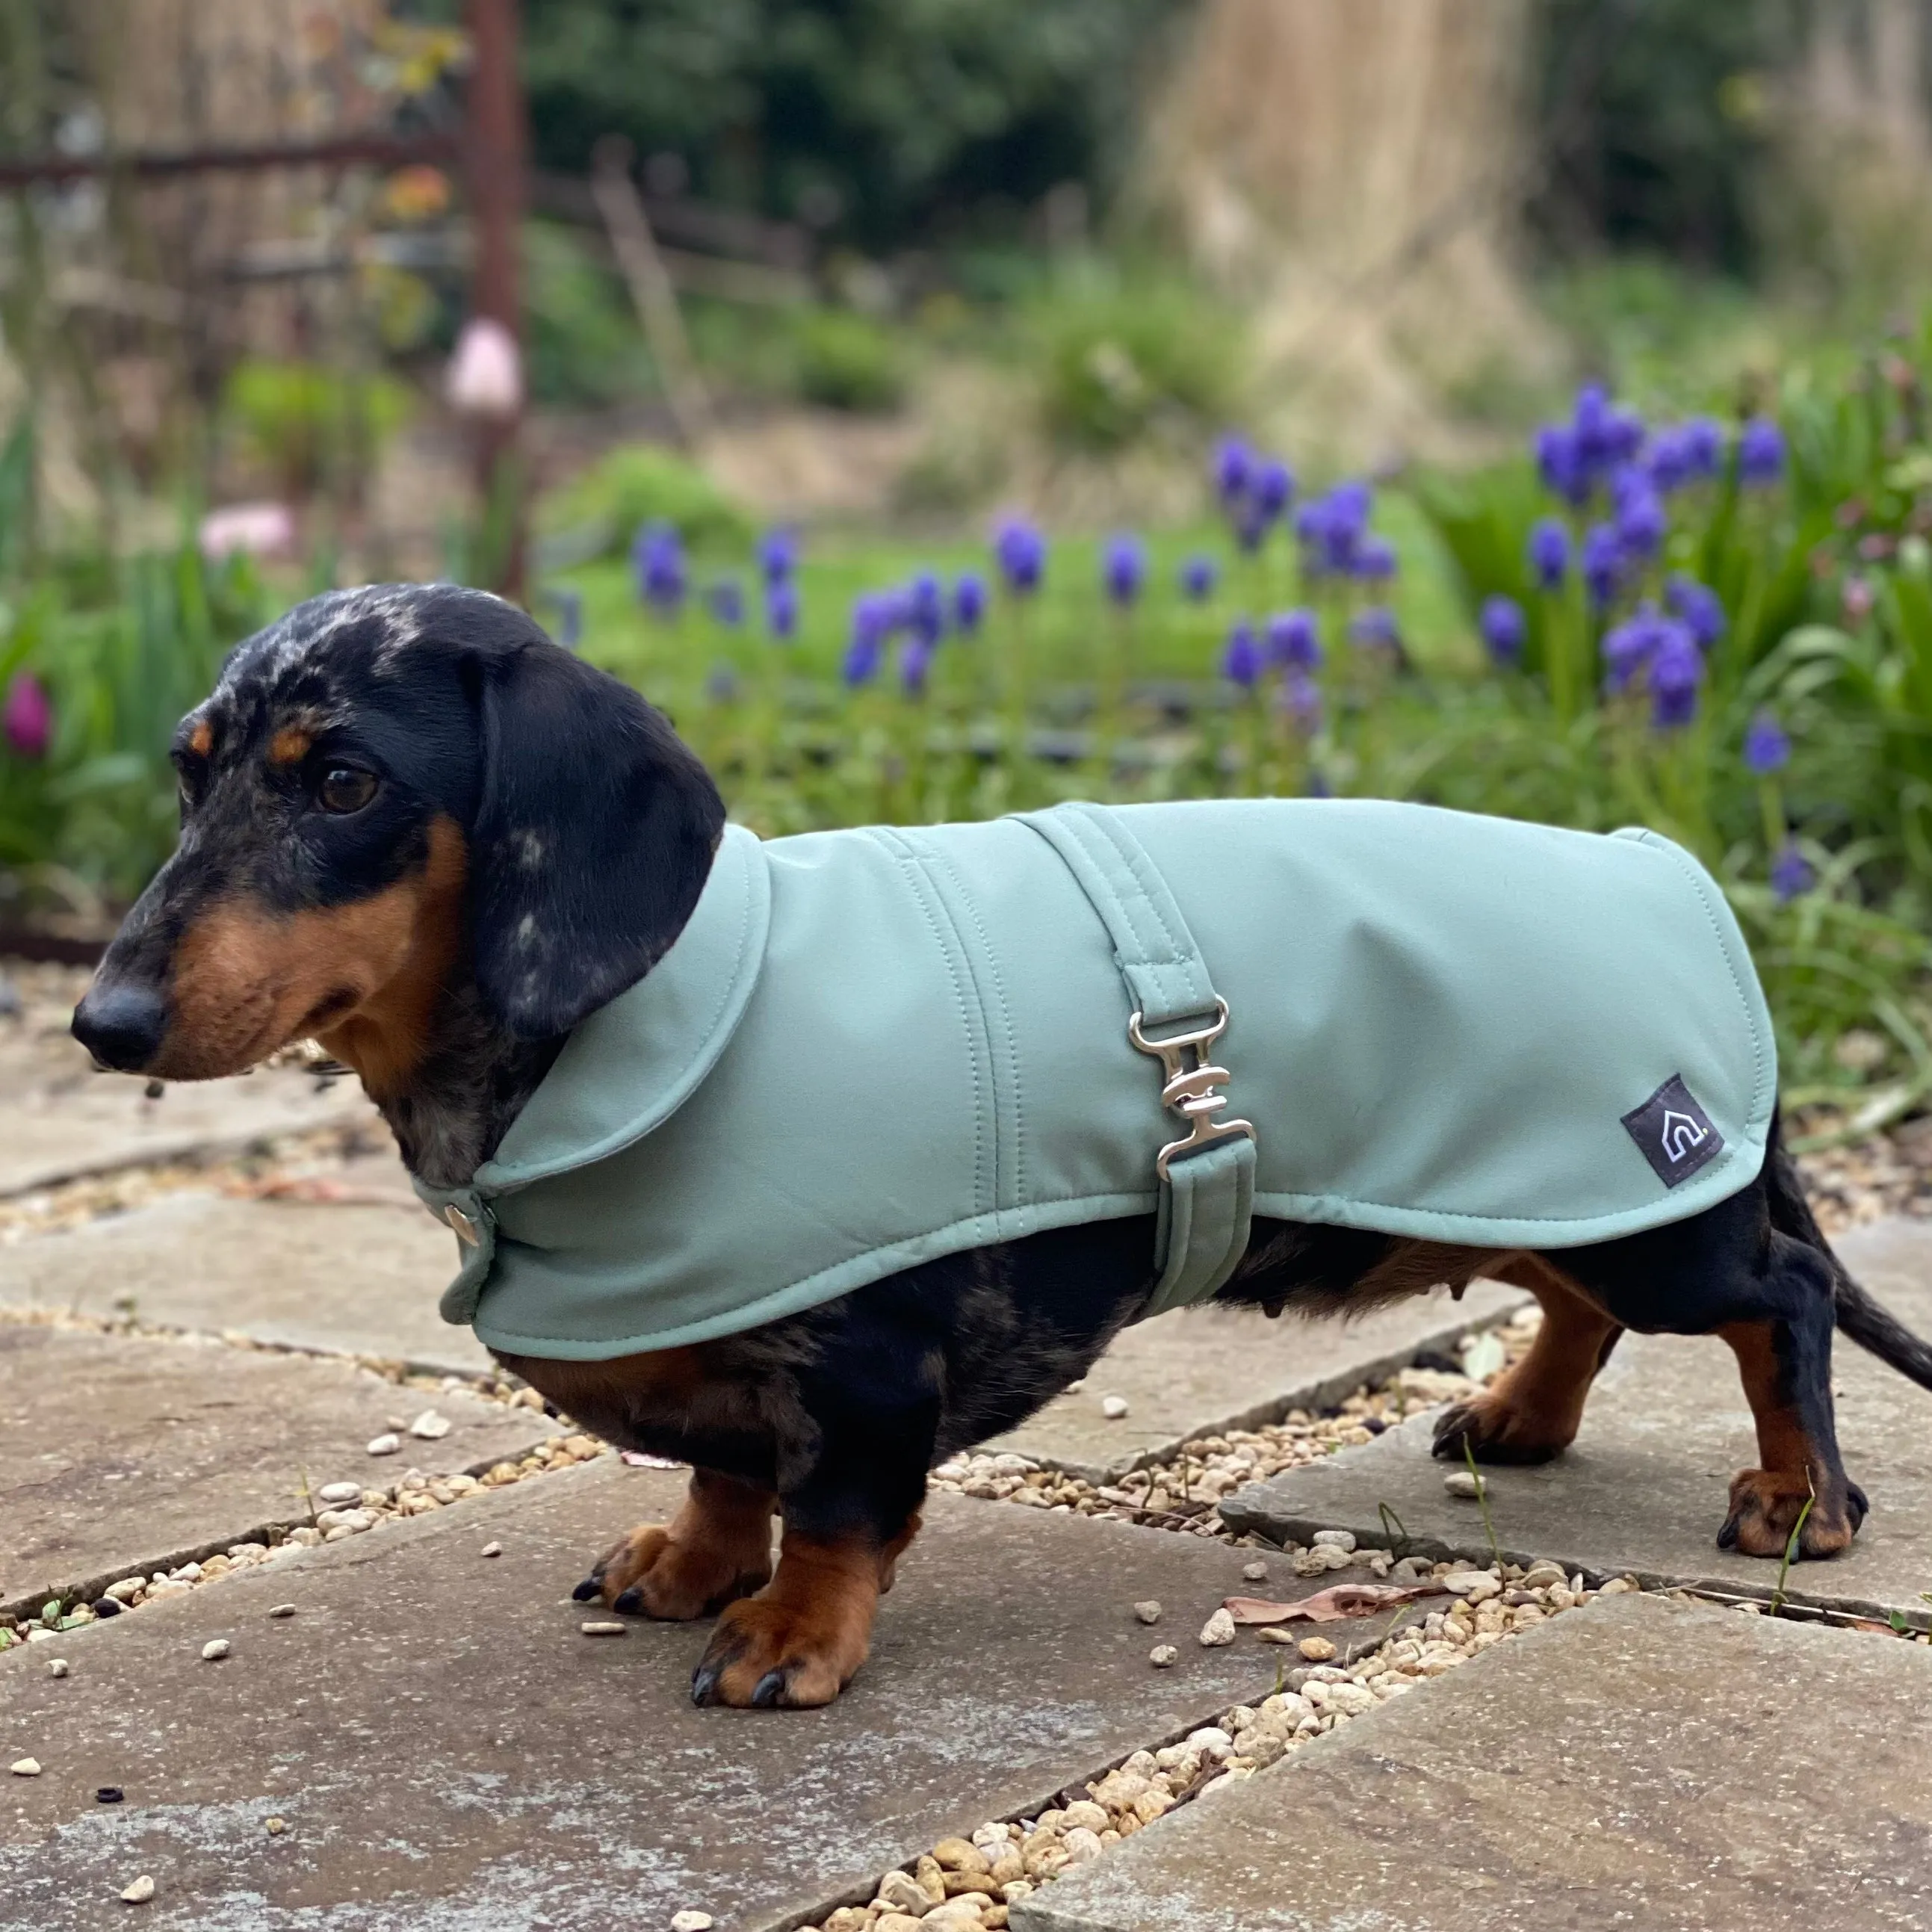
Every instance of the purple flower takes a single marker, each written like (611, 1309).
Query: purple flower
(969, 601)
(1675, 670)
(1631, 646)
(1294, 640)
(777, 555)
(874, 619)
(924, 606)
(1700, 606)
(1504, 630)
(1234, 468)
(1549, 553)
(781, 609)
(27, 719)
(1642, 523)
(915, 662)
(1301, 700)
(1241, 663)
(1703, 442)
(1198, 576)
(1331, 529)
(1603, 564)
(1760, 452)
(1375, 560)
(1273, 487)
(725, 601)
(1791, 873)
(1767, 746)
(1375, 629)
(1020, 551)
(1558, 464)
(1124, 569)
(657, 559)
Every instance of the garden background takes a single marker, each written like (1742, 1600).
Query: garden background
(949, 405)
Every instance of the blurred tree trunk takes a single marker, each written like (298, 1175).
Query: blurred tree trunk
(1356, 167)
(1853, 201)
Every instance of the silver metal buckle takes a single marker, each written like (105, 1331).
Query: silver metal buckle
(1189, 1090)
(465, 1229)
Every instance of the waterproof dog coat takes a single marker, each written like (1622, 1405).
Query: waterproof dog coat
(869, 1048)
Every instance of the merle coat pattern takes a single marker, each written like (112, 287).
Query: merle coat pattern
(417, 831)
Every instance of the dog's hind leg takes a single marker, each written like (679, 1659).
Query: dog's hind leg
(716, 1549)
(1786, 1362)
(1533, 1410)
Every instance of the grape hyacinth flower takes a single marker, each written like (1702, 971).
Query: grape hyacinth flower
(1301, 700)
(1791, 873)
(1557, 463)
(1549, 553)
(1603, 564)
(1375, 560)
(969, 602)
(781, 609)
(925, 607)
(1505, 631)
(1123, 570)
(1767, 746)
(1629, 649)
(725, 601)
(1241, 663)
(915, 664)
(657, 559)
(1294, 641)
(1667, 461)
(1700, 606)
(1233, 469)
(874, 619)
(777, 555)
(1198, 576)
(1676, 669)
(1375, 629)
(1760, 453)
(1274, 489)
(1642, 523)
(27, 719)
(1020, 551)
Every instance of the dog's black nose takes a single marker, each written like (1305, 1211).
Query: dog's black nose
(121, 1025)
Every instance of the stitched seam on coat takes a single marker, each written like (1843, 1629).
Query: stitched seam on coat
(926, 894)
(934, 856)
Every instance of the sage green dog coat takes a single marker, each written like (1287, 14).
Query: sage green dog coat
(870, 1048)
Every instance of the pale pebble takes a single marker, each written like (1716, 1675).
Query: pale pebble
(140, 1891)
(1218, 1630)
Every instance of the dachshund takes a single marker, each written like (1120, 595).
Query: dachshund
(359, 799)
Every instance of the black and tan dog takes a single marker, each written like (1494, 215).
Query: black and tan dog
(361, 797)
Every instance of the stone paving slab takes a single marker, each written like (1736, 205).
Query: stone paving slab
(353, 1279)
(1645, 1486)
(63, 1120)
(1673, 1768)
(451, 1755)
(1201, 1370)
(119, 1453)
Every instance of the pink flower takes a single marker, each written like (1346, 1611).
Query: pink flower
(486, 374)
(27, 719)
(255, 529)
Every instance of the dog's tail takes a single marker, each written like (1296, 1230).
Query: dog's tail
(1867, 1322)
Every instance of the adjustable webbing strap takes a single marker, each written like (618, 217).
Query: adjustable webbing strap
(1208, 1179)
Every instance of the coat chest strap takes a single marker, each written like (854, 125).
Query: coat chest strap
(1207, 1177)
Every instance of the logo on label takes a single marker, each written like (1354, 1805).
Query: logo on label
(1675, 1134)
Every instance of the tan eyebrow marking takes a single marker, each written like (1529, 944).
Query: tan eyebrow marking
(201, 739)
(290, 744)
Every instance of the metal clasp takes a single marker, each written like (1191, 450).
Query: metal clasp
(465, 1229)
(1189, 1090)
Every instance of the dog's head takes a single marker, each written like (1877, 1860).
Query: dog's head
(390, 788)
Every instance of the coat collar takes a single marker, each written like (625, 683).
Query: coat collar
(628, 1067)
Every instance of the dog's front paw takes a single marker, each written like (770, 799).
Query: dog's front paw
(1765, 1506)
(1496, 1430)
(769, 1654)
(653, 1573)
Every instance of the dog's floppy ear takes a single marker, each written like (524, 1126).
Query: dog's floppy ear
(594, 832)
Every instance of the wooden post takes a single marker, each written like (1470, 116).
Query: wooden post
(499, 168)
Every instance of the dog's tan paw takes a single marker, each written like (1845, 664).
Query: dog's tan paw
(769, 1654)
(652, 1573)
(1765, 1506)
(1498, 1431)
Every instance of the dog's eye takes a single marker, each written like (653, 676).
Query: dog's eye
(345, 789)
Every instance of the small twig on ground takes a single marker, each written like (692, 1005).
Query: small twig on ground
(1483, 1501)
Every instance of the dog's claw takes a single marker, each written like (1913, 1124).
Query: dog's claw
(704, 1682)
(769, 1689)
(585, 1590)
(630, 1603)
